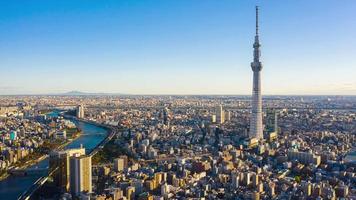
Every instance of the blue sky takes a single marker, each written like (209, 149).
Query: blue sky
(176, 46)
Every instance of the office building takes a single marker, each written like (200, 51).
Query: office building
(228, 116)
(80, 112)
(130, 193)
(81, 174)
(119, 164)
(271, 121)
(213, 119)
(220, 114)
(59, 161)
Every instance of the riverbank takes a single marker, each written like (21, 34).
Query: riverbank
(40, 155)
(40, 189)
(92, 136)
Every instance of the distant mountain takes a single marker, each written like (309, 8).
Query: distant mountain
(74, 92)
(79, 93)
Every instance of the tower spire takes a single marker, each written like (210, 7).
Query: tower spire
(256, 20)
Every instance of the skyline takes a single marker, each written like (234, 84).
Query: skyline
(166, 47)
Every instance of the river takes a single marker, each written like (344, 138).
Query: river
(13, 186)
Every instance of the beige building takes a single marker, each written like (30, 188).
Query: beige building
(81, 174)
(119, 164)
(220, 114)
(59, 161)
(80, 111)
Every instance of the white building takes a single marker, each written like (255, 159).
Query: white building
(80, 111)
(220, 114)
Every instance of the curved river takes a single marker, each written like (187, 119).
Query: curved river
(13, 186)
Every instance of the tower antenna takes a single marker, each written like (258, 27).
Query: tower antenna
(256, 20)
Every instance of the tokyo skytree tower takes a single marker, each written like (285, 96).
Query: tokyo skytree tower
(256, 116)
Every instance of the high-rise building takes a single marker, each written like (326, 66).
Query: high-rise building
(166, 116)
(228, 116)
(213, 119)
(80, 111)
(81, 175)
(247, 177)
(271, 121)
(220, 114)
(235, 180)
(126, 161)
(59, 161)
(119, 164)
(256, 115)
(255, 180)
(130, 192)
(271, 125)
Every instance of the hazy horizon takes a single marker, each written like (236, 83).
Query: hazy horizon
(176, 47)
(156, 94)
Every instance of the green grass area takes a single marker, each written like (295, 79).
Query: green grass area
(109, 153)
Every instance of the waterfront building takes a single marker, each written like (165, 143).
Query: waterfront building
(81, 174)
(61, 135)
(256, 65)
(59, 163)
(80, 111)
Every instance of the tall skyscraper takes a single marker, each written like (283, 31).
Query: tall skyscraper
(220, 114)
(119, 164)
(80, 111)
(80, 174)
(166, 116)
(256, 116)
(59, 161)
(271, 122)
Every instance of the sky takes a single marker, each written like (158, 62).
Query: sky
(177, 46)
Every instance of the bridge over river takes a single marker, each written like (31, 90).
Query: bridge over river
(28, 171)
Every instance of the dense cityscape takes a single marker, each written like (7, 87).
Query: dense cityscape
(188, 146)
(80, 145)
